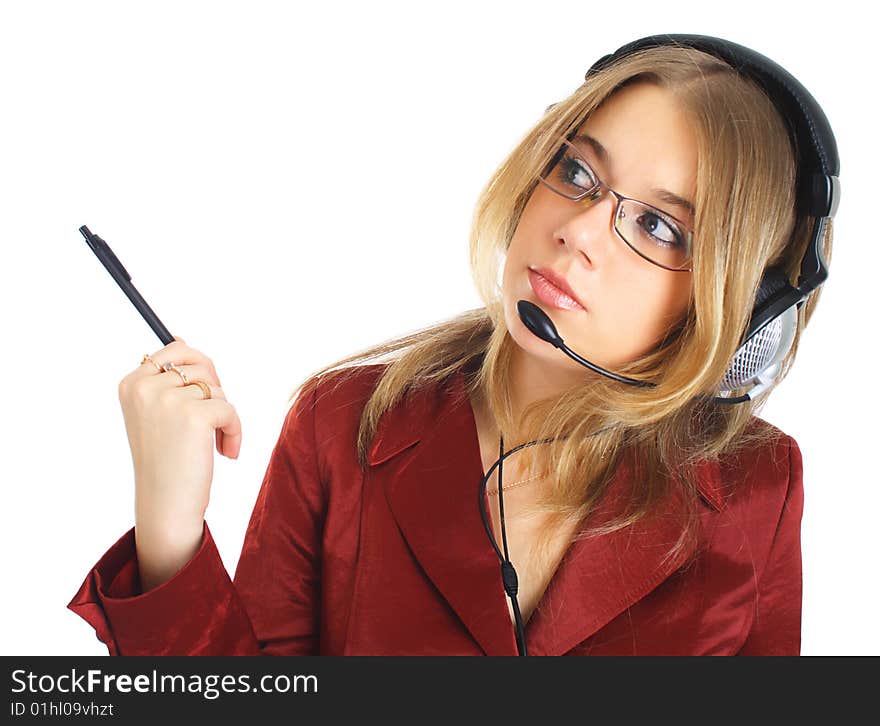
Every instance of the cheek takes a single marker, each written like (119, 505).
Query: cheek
(514, 262)
(659, 303)
(638, 311)
(535, 224)
(514, 285)
(519, 241)
(676, 293)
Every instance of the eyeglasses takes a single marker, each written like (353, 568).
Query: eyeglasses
(649, 232)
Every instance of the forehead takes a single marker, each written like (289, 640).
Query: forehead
(649, 144)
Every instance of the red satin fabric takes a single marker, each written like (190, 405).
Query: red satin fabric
(395, 560)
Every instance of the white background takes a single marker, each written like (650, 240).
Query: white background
(288, 183)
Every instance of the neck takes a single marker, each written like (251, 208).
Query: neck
(533, 379)
(530, 379)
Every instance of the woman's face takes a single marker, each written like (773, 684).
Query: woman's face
(627, 304)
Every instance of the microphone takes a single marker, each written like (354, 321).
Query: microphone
(540, 324)
(764, 374)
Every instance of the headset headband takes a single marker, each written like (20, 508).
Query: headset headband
(818, 165)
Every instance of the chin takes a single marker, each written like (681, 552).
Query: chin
(527, 340)
(531, 344)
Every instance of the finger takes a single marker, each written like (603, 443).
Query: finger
(181, 354)
(205, 359)
(220, 443)
(194, 391)
(224, 447)
(223, 417)
(171, 377)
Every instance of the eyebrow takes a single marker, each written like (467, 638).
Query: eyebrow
(663, 194)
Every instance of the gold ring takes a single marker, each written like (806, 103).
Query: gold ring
(148, 358)
(172, 367)
(206, 389)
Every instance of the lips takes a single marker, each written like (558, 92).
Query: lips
(552, 289)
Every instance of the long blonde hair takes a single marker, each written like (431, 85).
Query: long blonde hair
(744, 222)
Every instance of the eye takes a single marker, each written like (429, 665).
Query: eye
(659, 230)
(574, 174)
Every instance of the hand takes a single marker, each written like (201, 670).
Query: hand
(171, 431)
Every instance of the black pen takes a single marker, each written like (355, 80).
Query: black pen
(123, 279)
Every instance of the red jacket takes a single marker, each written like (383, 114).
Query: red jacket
(395, 560)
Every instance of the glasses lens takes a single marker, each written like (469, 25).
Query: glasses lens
(654, 235)
(569, 175)
(651, 233)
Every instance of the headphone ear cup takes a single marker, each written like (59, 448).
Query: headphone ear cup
(769, 345)
(773, 281)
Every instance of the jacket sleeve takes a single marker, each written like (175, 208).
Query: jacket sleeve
(272, 606)
(776, 629)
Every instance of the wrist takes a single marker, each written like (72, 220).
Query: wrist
(162, 551)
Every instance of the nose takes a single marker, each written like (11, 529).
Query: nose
(589, 228)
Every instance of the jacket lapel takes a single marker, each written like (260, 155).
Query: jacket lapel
(600, 577)
(433, 493)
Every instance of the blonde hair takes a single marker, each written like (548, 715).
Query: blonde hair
(744, 222)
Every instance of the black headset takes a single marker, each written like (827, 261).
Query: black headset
(773, 320)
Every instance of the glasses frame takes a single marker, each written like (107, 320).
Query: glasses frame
(601, 186)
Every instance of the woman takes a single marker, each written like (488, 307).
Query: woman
(640, 519)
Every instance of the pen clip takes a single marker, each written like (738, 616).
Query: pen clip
(103, 251)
